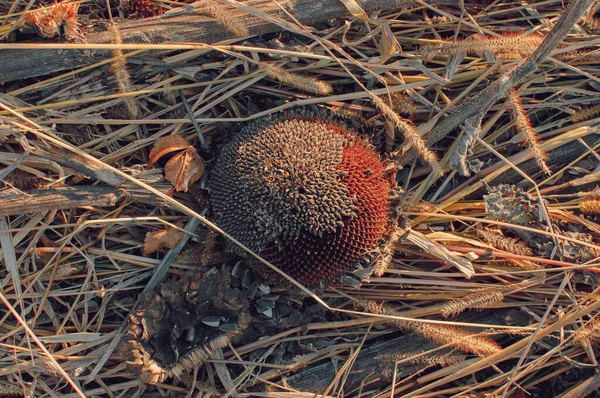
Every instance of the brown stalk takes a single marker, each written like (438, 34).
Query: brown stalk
(175, 28)
(478, 105)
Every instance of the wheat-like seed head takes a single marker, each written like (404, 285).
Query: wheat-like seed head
(302, 82)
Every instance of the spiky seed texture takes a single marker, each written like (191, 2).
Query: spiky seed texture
(303, 191)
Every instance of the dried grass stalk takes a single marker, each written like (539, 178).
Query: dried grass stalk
(524, 127)
(304, 83)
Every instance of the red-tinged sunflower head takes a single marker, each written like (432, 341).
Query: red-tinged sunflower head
(306, 193)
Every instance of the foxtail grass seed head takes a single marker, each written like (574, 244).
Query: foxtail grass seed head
(410, 134)
(511, 45)
(224, 17)
(590, 206)
(525, 128)
(118, 67)
(301, 82)
(499, 241)
(462, 339)
(586, 113)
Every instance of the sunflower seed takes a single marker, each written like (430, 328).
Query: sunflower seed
(265, 311)
(264, 288)
(266, 303)
(247, 279)
(212, 321)
(229, 328)
(237, 269)
(251, 293)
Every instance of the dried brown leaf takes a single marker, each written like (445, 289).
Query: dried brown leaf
(184, 169)
(166, 145)
(156, 240)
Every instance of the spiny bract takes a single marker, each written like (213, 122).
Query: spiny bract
(306, 193)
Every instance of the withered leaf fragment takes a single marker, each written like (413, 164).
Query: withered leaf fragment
(183, 169)
(156, 240)
(166, 145)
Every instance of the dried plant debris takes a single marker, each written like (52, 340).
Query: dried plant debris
(306, 193)
(510, 203)
(574, 252)
(177, 326)
(589, 332)
(24, 181)
(11, 391)
(140, 8)
(156, 240)
(184, 168)
(59, 19)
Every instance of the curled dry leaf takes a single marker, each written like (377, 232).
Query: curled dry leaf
(184, 169)
(166, 145)
(156, 240)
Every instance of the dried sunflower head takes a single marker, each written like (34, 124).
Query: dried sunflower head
(305, 192)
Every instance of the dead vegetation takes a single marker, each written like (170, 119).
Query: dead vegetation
(110, 125)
